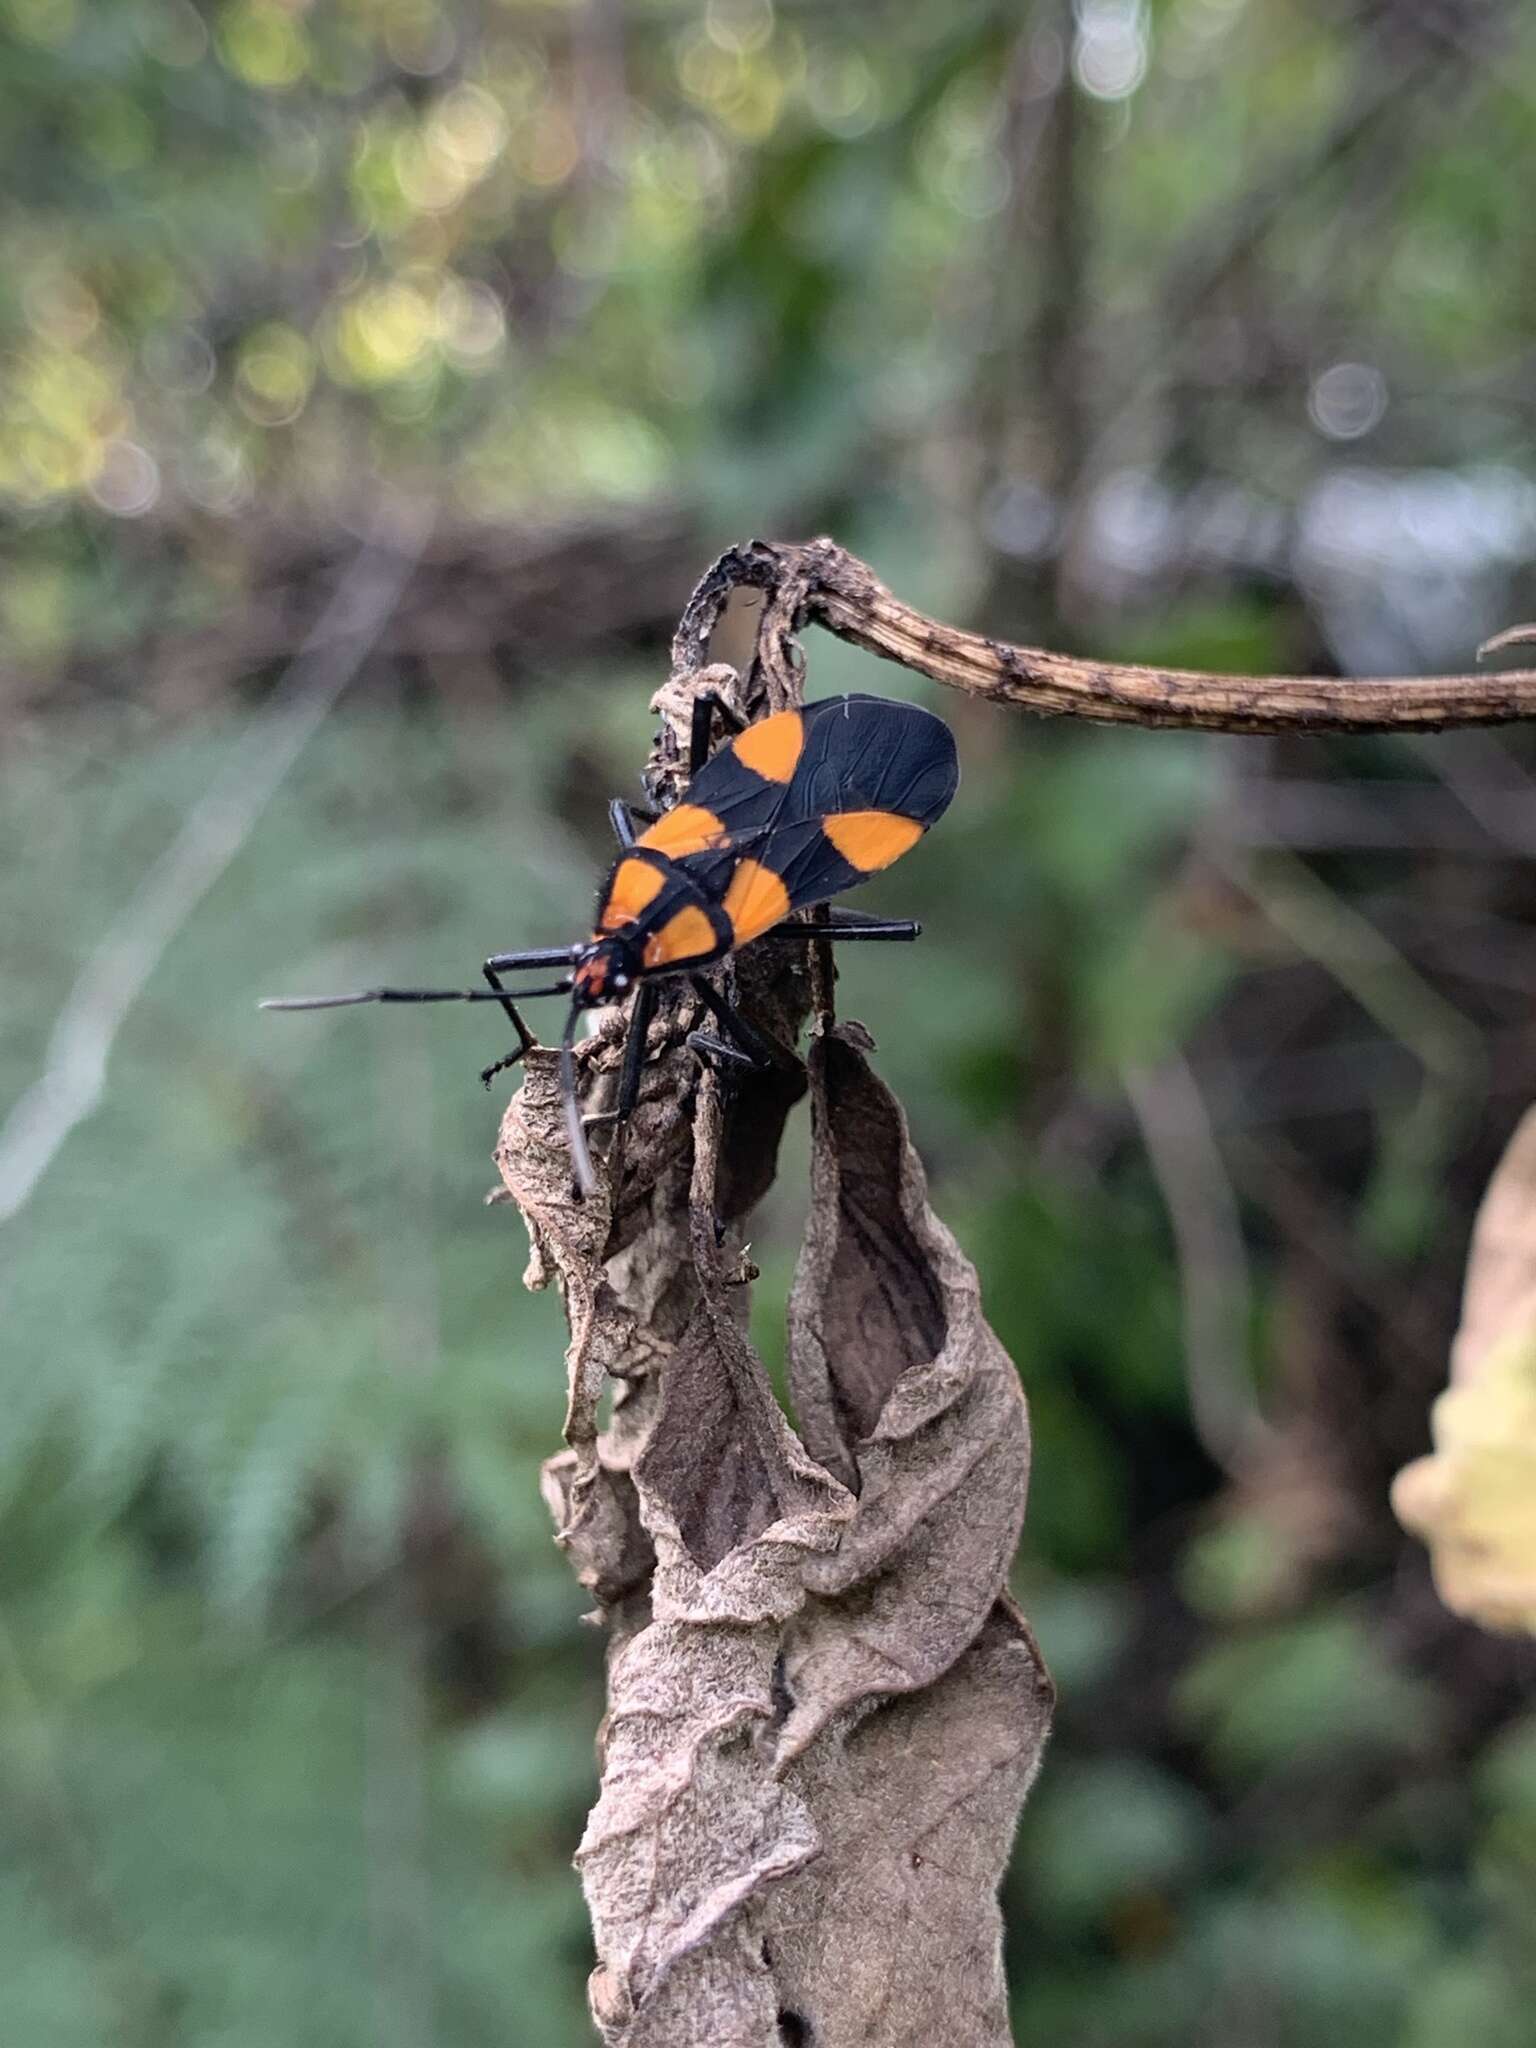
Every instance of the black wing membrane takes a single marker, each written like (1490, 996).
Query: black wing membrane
(857, 753)
(877, 754)
(867, 777)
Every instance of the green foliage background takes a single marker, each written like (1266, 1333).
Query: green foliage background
(1037, 307)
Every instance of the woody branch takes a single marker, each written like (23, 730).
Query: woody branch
(819, 583)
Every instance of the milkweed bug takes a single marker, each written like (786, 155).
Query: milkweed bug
(791, 811)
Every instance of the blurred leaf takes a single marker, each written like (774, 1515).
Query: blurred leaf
(153, 1775)
(1234, 1568)
(1102, 1834)
(1469, 1998)
(1083, 1625)
(1280, 1697)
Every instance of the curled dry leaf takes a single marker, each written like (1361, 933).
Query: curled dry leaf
(824, 1711)
(904, 1392)
(621, 1261)
(566, 1236)
(1474, 1500)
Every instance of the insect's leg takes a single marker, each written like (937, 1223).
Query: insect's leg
(411, 995)
(848, 925)
(709, 1047)
(705, 705)
(749, 1046)
(634, 1050)
(508, 963)
(622, 816)
(525, 1038)
(537, 956)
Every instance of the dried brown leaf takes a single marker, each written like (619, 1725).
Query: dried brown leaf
(903, 1390)
(566, 1234)
(823, 1720)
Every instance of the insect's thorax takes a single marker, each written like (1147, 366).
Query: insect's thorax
(653, 917)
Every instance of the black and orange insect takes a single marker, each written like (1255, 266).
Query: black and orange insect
(791, 811)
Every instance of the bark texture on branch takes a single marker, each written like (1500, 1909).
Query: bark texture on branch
(819, 583)
(824, 1710)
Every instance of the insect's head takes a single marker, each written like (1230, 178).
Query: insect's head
(606, 972)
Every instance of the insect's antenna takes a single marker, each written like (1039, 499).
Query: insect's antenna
(412, 995)
(581, 1158)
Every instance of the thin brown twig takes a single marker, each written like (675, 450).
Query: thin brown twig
(820, 583)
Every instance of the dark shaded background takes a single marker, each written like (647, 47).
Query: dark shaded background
(1202, 331)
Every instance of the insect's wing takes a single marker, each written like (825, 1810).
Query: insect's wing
(854, 753)
(868, 755)
(806, 804)
(740, 791)
(809, 860)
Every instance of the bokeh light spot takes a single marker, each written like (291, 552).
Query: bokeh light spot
(739, 26)
(841, 93)
(264, 44)
(471, 325)
(180, 360)
(468, 126)
(421, 40)
(127, 483)
(431, 180)
(60, 309)
(383, 333)
(276, 371)
(214, 472)
(1109, 59)
(546, 150)
(1347, 400)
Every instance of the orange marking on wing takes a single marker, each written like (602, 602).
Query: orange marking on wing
(688, 828)
(771, 748)
(871, 839)
(635, 884)
(756, 899)
(687, 935)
